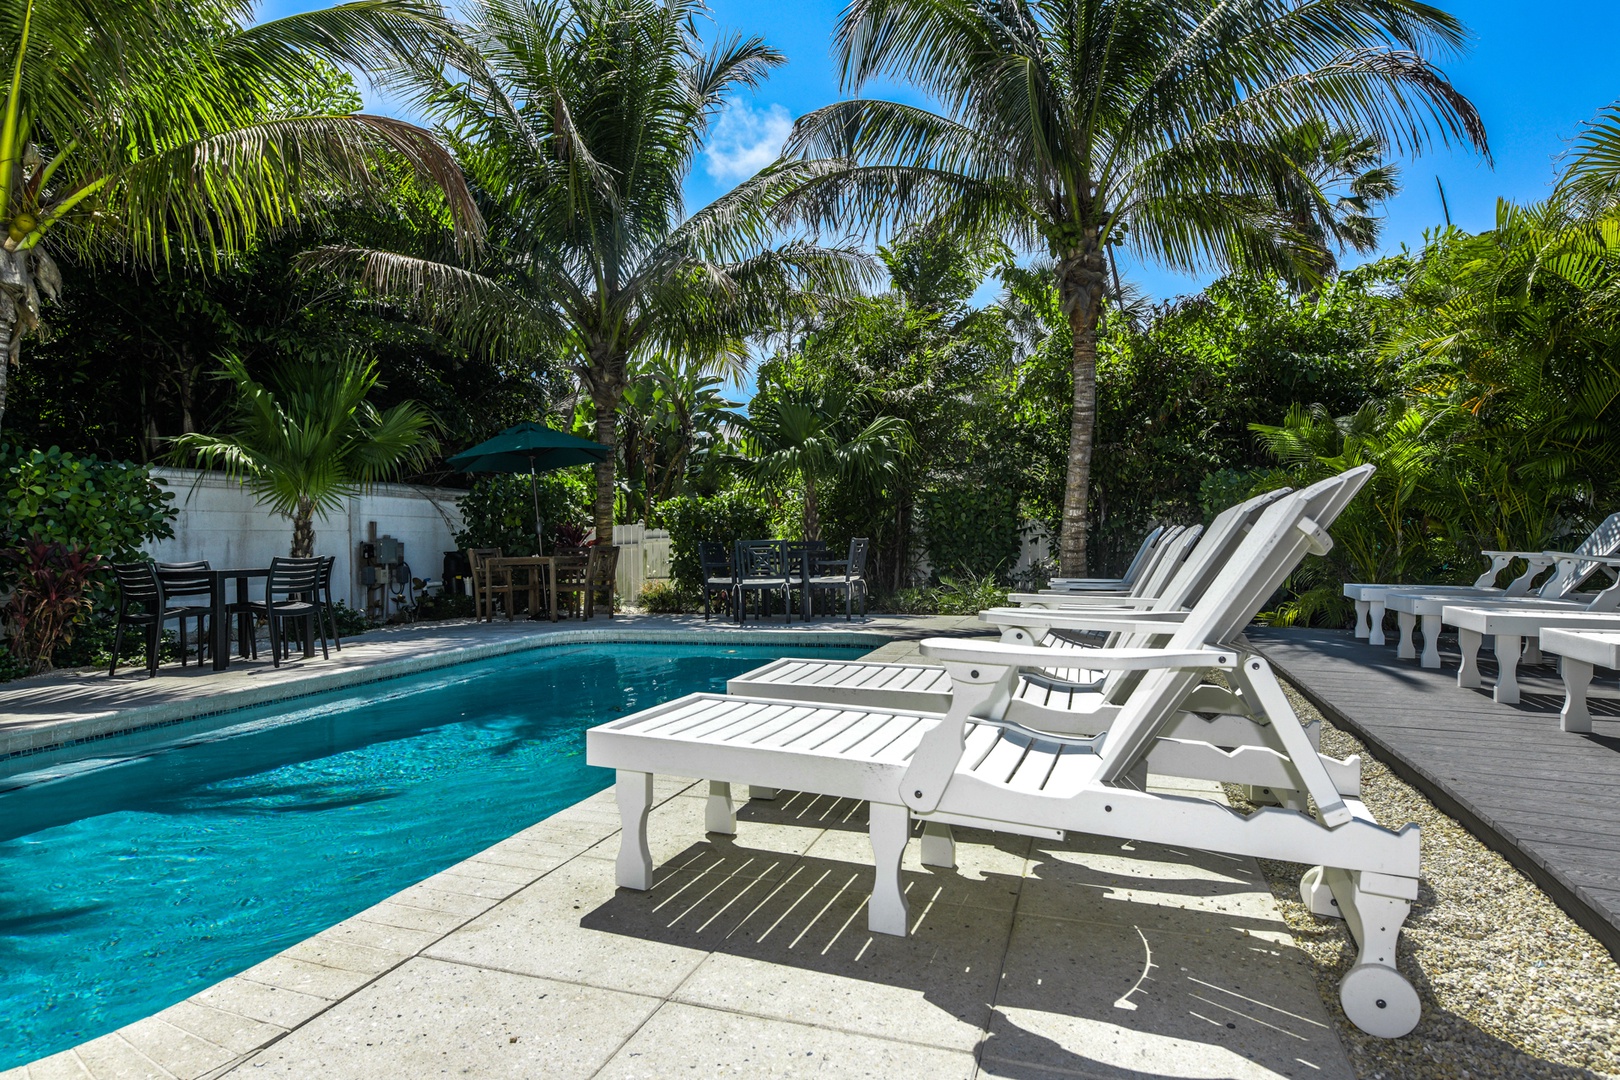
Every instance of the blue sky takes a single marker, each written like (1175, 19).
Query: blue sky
(1535, 71)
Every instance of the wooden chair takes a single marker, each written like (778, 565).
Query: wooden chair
(489, 582)
(603, 573)
(571, 577)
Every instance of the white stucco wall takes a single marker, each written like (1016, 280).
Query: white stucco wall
(220, 521)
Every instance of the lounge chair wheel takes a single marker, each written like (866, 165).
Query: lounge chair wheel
(1380, 1001)
(1317, 897)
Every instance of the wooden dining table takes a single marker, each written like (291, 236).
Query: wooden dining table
(542, 578)
(218, 624)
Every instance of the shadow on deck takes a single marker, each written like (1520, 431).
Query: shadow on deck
(1547, 800)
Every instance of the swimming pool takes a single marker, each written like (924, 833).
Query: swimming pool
(138, 870)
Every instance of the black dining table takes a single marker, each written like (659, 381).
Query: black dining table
(218, 624)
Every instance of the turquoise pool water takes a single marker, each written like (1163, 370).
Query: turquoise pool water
(138, 870)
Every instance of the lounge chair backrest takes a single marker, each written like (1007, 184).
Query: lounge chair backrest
(1175, 553)
(1287, 530)
(1133, 571)
(1214, 549)
(1161, 551)
(1571, 574)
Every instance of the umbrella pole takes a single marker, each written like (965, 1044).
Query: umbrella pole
(534, 489)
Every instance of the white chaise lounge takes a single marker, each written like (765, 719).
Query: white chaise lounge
(1581, 650)
(1141, 563)
(1372, 600)
(974, 770)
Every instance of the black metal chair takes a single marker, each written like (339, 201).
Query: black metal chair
(181, 579)
(851, 580)
(802, 559)
(138, 585)
(761, 568)
(289, 594)
(716, 565)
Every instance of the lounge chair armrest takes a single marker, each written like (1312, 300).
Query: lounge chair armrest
(999, 655)
(1138, 622)
(1489, 554)
(1063, 601)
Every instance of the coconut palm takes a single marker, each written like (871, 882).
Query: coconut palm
(1077, 125)
(806, 438)
(578, 122)
(310, 438)
(162, 130)
(1341, 181)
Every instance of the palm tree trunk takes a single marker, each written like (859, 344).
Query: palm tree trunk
(303, 538)
(14, 275)
(1081, 283)
(8, 347)
(812, 519)
(607, 382)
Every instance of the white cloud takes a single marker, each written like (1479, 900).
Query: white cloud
(746, 140)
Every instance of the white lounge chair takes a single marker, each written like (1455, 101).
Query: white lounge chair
(1139, 567)
(1164, 563)
(1511, 627)
(970, 770)
(1371, 599)
(1581, 650)
(1558, 594)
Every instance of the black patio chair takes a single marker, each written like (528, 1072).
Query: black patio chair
(289, 594)
(843, 575)
(803, 557)
(719, 573)
(139, 586)
(761, 567)
(180, 581)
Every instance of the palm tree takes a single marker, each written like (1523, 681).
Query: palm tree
(810, 438)
(1074, 126)
(672, 421)
(1341, 181)
(310, 438)
(578, 122)
(142, 130)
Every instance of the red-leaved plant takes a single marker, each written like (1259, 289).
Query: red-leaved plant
(570, 535)
(49, 599)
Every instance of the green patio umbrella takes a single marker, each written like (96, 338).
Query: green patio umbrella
(530, 448)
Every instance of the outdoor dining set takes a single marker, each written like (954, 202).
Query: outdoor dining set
(297, 591)
(575, 578)
(772, 568)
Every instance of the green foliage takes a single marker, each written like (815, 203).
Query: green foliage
(499, 510)
(111, 508)
(971, 529)
(351, 622)
(737, 514)
(956, 594)
(665, 598)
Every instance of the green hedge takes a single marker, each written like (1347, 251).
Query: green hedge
(970, 530)
(499, 510)
(732, 515)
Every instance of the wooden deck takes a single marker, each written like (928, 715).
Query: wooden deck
(1547, 800)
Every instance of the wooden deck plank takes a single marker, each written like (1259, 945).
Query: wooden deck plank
(1546, 799)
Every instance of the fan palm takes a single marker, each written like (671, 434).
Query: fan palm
(310, 438)
(142, 129)
(578, 123)
(1077, 125)
(810, 438)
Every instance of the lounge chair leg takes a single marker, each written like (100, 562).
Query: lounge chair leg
(719, 814)
(1317, 897)
(1375, 622)
(1362, 626)
(1575, 715)
(1431, 641)
(757, 792)
(1507, 666)
(634, 793)
(890, 828)
(938, 845)
(1469, 641)
(1375, 996)
(1532, 652)
(1404, 648)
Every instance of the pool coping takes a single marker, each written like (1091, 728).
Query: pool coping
(60, 734)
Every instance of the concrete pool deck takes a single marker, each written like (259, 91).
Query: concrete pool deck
(750, 957)
(72, 706)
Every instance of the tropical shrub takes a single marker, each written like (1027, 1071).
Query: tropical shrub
(664, 598)
(970, 528)
(499, 510)
(733, 515)
(50, 596)
(445, 605)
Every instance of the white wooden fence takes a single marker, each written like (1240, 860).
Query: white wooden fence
(643, 557)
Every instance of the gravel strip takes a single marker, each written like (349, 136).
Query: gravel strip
(1511, 986)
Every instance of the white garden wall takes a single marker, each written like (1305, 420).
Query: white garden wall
(220, 521)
